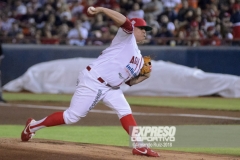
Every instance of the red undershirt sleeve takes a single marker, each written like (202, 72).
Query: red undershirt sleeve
(127, 26)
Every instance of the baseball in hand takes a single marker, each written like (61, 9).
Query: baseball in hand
(91, 10)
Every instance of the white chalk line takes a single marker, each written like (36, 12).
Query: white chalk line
(112, 112)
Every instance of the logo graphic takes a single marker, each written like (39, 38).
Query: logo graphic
(152, 136)
(131, 70)
(133, 22)
(25, 130)
(96, 99)
(143, 152)
(133, 66)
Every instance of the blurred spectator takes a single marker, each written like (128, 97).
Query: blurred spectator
(34, 4)
(78, 34)
(47, 31)
(151, 36)
(111, 4)
(213, 38)
(185, 8)
(15, 30)
(198, 17)
(154, 7)
(97, 28)
(195, 35)
(40, 18)
(125, 6)
(170, 13)
(76, 8)
(232, 4)
(226, 26)
(164, 32)
(20, 8)
(98, 22)
(193, 3)
(29, 15)
(85, 21)
(108, 33)
(181, 38)
(136, 12)
(6, 23)
(171, 3)
(62, 33)
(204, 4)
(167, 29)
(151, 20)
(51, 21)
(235, 19)
(185, 15)
(38, 36)
(224, 7)
(86, 4)
(210, 20)
(49, 35)
(166, 23)
(65, 12)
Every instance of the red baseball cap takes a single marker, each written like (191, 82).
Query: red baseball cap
(139, 22)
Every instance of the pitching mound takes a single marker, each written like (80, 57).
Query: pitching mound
(39, 149)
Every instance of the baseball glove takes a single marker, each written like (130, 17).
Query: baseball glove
(147, 66)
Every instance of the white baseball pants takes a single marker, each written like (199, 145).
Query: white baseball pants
(89, 92)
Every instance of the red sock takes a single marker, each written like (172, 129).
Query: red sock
(52, 120)
(128, 121)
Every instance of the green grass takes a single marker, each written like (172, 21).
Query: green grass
(184, 102)
(216, 103)
(97, 135)
(107, 135)
(37, 97)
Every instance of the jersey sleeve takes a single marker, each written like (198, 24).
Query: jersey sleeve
(124, 35)
(127, 27)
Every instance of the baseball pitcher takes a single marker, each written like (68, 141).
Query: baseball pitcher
(119, 63)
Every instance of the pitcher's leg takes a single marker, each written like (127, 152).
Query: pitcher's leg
(83, 100)
(79, 107)
(116, 101)
(51, 120)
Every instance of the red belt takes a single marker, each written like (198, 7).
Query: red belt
(99, 78)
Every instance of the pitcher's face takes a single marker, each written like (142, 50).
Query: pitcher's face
(140, 34)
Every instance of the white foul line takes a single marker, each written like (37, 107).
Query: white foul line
(112, 112)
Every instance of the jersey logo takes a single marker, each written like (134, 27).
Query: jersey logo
(131, 70)
(96, 99)
(132, 66)
(134, 60)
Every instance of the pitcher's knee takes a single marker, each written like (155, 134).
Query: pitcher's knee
(70, 117)
(122, 113)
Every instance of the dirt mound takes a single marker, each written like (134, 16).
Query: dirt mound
(40, 149)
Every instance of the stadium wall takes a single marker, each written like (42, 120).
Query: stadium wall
(18, 58)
